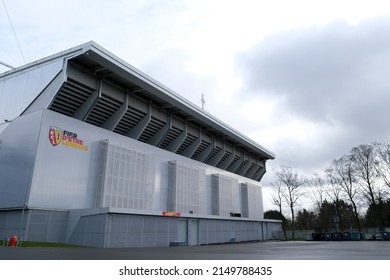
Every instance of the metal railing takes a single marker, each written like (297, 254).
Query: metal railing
(5, 242)
(18, 243)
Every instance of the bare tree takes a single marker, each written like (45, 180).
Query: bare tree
(291, 189)
(277, 197)
(382, 162)
(334, 192)
(364, 160)
(343, 174)
(318, 193)
(277, 200)
(317, 185)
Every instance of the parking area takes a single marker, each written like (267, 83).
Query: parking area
(270, 250)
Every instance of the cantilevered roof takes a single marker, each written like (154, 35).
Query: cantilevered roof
(96, 86)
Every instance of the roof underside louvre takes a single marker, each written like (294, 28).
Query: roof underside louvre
(186, 143)
(129, 121)
(103, 109)
(151, 129)
(71, 96)
(173, 133)
(106, 93)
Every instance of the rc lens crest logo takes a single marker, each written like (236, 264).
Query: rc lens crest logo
(55, 135)
(66, 138)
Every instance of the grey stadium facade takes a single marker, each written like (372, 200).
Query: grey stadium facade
(96, 153)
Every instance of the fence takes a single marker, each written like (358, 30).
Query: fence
(368, 233)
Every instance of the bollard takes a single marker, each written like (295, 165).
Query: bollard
(12, 241)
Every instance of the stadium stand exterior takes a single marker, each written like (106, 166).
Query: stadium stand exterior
(94, 152)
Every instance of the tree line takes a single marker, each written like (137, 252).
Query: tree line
(351, 194)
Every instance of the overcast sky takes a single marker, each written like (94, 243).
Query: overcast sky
(308, 80)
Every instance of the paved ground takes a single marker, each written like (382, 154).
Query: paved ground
(270, 250)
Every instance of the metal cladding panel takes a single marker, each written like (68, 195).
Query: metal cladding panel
(18, 144)
(19, 90)
(252, 194)
(226, 195)
(255, 195)
(186, 189)
(126, 178)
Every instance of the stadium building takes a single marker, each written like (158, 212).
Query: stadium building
(94, 152)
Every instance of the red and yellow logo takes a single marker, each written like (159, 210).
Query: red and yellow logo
(55, 135)
(67, 138)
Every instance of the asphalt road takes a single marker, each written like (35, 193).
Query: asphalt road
(270, 250)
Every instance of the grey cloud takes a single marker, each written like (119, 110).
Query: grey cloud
(335, 77)
(338, 71)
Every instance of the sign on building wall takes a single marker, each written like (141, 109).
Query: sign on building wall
(67, 138)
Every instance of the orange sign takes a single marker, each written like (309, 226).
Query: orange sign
(171, 214)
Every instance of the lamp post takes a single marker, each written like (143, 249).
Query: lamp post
(336, 221)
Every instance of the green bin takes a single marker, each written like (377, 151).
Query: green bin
(355, 235)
